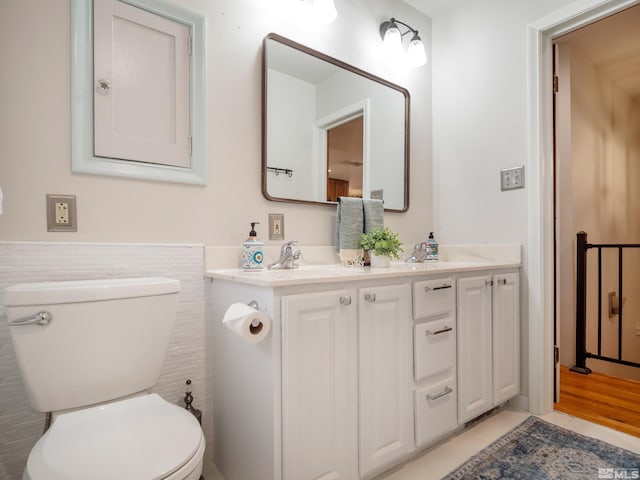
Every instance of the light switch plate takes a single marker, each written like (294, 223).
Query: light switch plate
(276, 226)
(61, 213)
(512, 178)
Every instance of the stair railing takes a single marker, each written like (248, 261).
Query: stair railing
(581, 304)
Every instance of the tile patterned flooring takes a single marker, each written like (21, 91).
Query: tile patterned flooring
(437, 461)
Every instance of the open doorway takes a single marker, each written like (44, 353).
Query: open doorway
(597, 190)
(345, 159)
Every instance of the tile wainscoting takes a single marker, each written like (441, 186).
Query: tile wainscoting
(188, 355)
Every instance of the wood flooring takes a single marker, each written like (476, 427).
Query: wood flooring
(609, 401)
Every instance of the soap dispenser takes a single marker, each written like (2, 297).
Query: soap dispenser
(252, 255)
(432, 248)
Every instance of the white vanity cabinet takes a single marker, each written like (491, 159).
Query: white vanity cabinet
(361, 368)
(488, 342)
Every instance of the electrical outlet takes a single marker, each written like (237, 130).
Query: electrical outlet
(276, 226)
(511, 178)
(61, 213)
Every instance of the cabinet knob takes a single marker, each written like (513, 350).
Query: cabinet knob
(502, 281)
(345, 300)
(488, 282)
(103, 86)
(370, 297)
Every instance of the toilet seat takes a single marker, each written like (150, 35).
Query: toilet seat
(141, 438)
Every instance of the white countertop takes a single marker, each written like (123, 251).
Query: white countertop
(310, 274)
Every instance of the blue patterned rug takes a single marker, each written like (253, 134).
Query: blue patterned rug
(537, 450)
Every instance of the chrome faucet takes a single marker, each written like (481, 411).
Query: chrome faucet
(419, 253)
(288, 257)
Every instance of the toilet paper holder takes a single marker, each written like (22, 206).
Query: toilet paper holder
(247, 321)
(255, 323)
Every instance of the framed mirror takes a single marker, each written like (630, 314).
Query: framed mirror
(330, 129)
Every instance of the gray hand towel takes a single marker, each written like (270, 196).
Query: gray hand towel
(373, 214)
(349, 224)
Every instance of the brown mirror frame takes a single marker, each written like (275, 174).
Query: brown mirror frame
(350, 68)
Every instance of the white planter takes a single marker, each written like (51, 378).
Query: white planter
(378, 261)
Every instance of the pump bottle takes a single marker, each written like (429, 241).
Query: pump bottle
(432, 248)
(252, 254)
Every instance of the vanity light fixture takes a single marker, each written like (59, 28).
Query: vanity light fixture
(392, 37)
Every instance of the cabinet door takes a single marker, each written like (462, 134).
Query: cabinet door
(474, 347)
(385, 360)
(319, 393)
(142, 59)
(506, 337)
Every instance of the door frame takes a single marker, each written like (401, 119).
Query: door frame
(540, 196)
(320, 155)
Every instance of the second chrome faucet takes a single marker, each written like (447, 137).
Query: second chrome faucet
(419, 253)
(288, 256)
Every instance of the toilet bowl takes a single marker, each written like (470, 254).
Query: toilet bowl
(89, 351)
(144, 437)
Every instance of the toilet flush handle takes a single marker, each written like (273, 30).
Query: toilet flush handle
(40, 318)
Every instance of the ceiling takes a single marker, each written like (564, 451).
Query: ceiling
(613, 45)
(432, 7)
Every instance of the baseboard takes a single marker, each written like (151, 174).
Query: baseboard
(520, 402)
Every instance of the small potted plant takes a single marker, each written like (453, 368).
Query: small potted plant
(382, 244)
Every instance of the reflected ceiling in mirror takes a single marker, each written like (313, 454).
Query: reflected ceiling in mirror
(330, 129)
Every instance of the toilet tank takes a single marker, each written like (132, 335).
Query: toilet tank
(106, 339)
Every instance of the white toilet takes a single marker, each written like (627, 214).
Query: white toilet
(90, 360)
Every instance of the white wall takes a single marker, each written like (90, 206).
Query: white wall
(480, 126)
(35, 145)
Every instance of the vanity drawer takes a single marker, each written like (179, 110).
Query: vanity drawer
(434, 346)
(435, 408)
(433, 297)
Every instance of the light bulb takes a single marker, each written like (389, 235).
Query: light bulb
(392, 41)
(416, 55)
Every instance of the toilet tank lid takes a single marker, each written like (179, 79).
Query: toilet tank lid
(48, 293)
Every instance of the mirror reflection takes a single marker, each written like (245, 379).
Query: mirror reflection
(330, 130)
